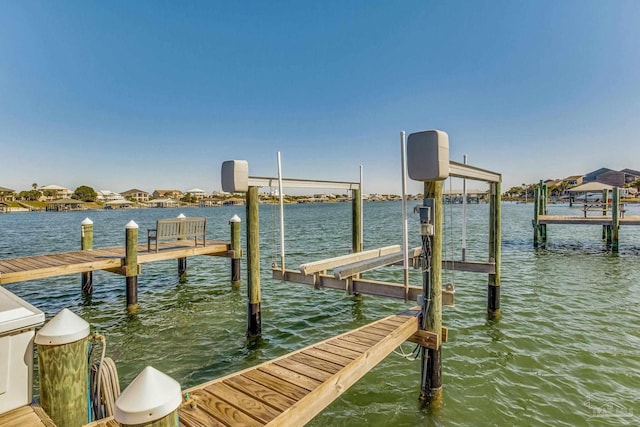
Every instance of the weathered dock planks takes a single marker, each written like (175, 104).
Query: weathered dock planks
(26, 416)
(594, 220)
(292, 389)
(14, 270)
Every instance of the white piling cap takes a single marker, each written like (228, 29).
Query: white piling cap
(181, 216)
(131, 224)
(235, 218)
(66, 327)
(86, 221)
(151, 396)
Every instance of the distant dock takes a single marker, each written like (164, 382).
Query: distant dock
(592, 214)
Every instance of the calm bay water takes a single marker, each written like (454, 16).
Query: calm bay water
(565, 352)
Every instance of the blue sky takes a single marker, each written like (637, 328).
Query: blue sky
(154, 94)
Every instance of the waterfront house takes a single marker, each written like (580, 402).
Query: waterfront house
(55, 192)
(168, 194)
(612, 177)
(7, 194)
(574, 180)
(197, 193)
(135, 194)
(108, 196)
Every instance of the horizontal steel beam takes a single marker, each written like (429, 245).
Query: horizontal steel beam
(460, 170)
(258, 181)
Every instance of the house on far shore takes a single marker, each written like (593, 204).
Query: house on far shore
(612, 177)
(7, 194)
(171, 194)
(55, 192)
(108, 196)
(135, 194)
(197, 193)
(574, 180)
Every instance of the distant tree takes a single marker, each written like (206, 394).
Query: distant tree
(29, 196)
(634, 184)
(34, 186)
(189, 198)
(85, 193)
(49, 193)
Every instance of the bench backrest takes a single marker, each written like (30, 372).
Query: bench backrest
(185, 227)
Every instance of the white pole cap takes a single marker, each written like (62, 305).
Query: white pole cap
(66, 327)
(86, 221)
(235, 218)
(131, 224)
(151, 396)
(181, 216)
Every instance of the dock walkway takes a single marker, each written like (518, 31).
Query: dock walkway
(595, 220)
(292, 389)
(26, 416)
(14, 270)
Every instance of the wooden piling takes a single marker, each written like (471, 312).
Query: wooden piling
(62, 368)
(615, 219)
(543, 211)
(431, 386)
(236, 249)
(495, 242)
(356, 220)
(605, 202)
(536, 213)
(63, 382)
(182, 262)
(86, 244)
(254, 321)
(131, 265)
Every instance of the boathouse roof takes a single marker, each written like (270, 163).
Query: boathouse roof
(590, 186)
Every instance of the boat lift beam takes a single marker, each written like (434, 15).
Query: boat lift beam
(460, 170)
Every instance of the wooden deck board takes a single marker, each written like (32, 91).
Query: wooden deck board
(26, 416)
(248, 404)
(292, 389)
(593, 220)
(14, 270)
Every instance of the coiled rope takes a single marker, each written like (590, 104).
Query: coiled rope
(104, 383)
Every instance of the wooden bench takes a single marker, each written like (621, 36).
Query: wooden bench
(177, 228)
(601, 207)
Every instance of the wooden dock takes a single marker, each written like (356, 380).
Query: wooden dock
(14, 270)
(26, 416)
(593, 220)
(611, 216)
(292, 389)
